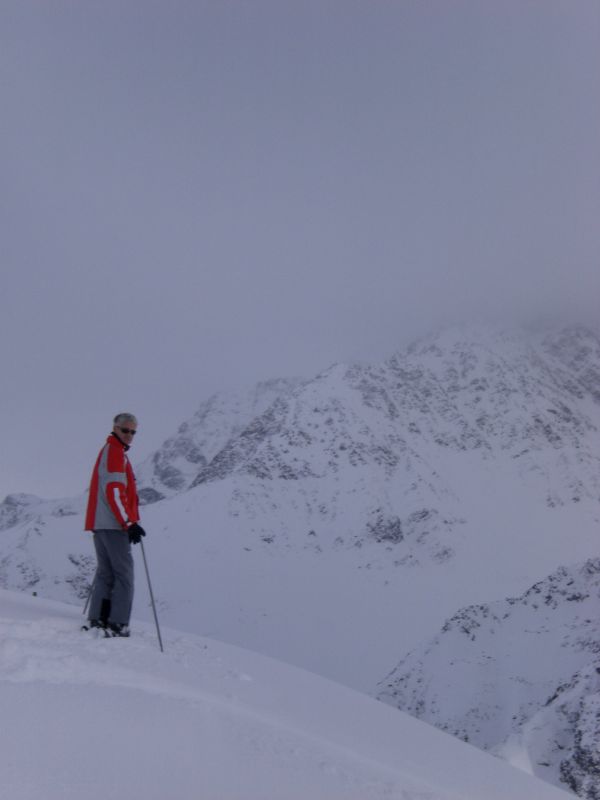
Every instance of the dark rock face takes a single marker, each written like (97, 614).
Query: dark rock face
(386, 530)
(578, 704)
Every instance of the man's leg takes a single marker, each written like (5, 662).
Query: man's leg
(103, 582)
(118, 547)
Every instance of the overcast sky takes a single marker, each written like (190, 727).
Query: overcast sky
(195, 195)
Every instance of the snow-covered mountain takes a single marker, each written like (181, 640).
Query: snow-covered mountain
(98, 718)
(519, 677)
(223, 416)
(362, 452)
(336, 523)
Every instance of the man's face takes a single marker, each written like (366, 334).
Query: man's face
(126, 431)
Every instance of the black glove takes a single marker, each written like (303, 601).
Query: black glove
(135, 532)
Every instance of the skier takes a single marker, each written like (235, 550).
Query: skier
(112, 515)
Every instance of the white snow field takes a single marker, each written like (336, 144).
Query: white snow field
(94, 719)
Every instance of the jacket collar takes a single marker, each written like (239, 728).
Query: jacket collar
(114, 436)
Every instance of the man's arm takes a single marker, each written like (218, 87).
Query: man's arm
(116, 487)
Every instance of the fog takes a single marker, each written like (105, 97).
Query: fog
(198, 195)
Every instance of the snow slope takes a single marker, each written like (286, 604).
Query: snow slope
(101, 719)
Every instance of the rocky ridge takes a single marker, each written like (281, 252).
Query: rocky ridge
(173, 467)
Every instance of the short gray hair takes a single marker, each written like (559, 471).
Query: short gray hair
(125, 417)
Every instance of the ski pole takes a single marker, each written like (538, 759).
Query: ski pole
(89, 597)
(152, 597)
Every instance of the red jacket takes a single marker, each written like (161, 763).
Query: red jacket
(113, 500)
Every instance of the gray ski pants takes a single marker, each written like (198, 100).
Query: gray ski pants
(114, 576)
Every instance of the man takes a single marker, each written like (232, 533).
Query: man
(112, 515)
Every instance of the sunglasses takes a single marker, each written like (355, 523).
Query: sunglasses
(128, 430)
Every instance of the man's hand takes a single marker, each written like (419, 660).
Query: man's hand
(135, 532)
